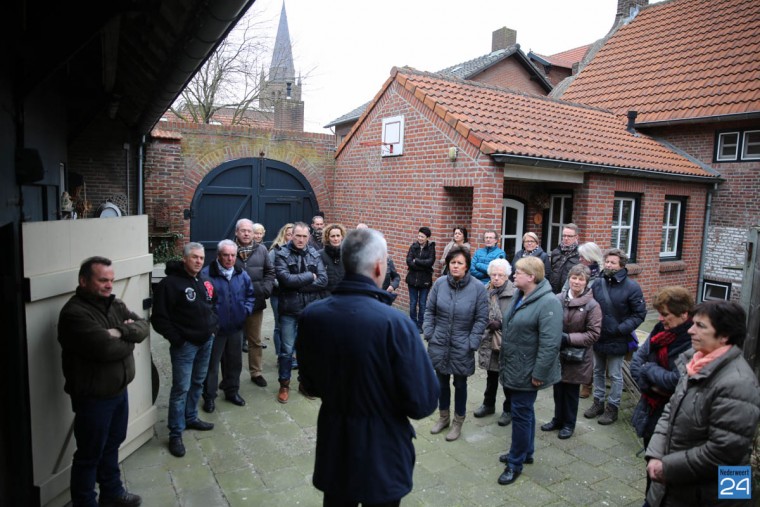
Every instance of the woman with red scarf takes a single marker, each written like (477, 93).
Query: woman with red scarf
(654, 365)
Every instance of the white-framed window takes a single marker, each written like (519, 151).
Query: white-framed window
(672, 228)
(512, 220)
(712, 290)
(560, 213)
(728, 146)
(751, 145)
(393, 137)
(624, 223)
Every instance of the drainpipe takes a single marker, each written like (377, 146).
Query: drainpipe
(708, 210)
(140, 189)
(126, 163)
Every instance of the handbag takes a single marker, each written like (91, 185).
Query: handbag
(573, 354)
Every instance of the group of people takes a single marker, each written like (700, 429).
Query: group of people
(565, 319)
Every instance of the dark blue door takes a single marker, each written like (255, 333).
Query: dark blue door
(263, 190)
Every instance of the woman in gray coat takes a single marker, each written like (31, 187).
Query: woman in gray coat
(711, 418)
(530, 342)
(582, 322)
(455, 318)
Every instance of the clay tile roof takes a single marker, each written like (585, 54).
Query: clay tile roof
(500, 121)
(678, 60)
(567, 58)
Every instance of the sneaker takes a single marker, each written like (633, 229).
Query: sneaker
(594, 410)
(176, 447)
(125, 500)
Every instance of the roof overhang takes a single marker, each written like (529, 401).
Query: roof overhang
(542, 163)
(753, 115)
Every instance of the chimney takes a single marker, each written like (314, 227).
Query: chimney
(632, 121)
(503, 38)
(628, 9)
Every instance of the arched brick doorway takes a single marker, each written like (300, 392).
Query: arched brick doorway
(263, 190)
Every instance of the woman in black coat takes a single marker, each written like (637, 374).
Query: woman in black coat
(332, 237)
(420, 260)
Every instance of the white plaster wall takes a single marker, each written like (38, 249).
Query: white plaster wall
(726, 251)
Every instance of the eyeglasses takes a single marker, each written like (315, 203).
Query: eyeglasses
(569, 235)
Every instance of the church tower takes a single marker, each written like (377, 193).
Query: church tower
(281, 91)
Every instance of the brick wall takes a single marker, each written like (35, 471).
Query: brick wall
(509, 73)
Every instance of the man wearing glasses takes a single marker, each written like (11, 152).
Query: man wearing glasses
(564, 257)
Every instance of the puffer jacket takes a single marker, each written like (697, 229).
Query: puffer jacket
(333, 266)
(482, 258)
(561, 264)
(627, 311)
(531, 336)
(96, 365)
(455, 318)
(295, 273)
(488, 356)
(648, 374)
(260, 268)
(536, 252)
(420, 260)
(234, 297)
(582, 321)
(709, 421)
(184, 306)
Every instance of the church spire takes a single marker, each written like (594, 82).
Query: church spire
(282, 68)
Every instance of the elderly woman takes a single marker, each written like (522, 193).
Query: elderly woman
(333, 236)
(455, 319)
(654, 364)
(529, 358)
(500, 291)
(711, 417)
(459, 237)
(531, 249)
(590, 256)
(582, 321)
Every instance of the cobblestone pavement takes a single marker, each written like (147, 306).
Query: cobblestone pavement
(263, 455)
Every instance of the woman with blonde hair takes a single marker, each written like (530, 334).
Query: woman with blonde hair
(284, 235)
(531, 248)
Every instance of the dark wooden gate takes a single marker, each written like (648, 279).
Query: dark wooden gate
(266, 191)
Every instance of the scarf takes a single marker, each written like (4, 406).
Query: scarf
(496, 291)
(226, 272)
(594, 268)
(700, 359)
(334, 253)
(659, 346)
(245, 251)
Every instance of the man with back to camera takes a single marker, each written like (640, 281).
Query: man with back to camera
(97, 333)
(184, 312)
(367, 363)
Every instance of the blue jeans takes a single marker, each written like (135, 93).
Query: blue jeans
(460, 393)
(100, 426)
(523, 428)
(614, 366)
(189, 368)
(288, 330)
(417, 302)
(275, 303)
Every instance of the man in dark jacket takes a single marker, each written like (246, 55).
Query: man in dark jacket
(367, 363)
(184, 312)
(234, 303)
(564, 257)
(623, 310)
(254, 259)
(97, 333)
(302, 280)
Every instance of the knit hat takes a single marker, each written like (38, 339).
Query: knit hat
(425, 231)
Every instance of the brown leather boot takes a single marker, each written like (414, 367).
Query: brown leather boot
(585, 391)
(283, 394)
(456, 428)
(442, 422)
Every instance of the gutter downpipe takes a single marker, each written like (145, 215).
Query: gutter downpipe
(140, 187)
(708, 210)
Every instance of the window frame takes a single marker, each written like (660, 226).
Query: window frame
(566, 212)
(742, 143)
(745, 143)
(715, 283)
(634, 227)
(679, 228)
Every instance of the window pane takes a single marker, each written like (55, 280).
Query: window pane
(751, 144)
(625, 240)
(616, 213)
(615, 238)
(557, 210)
(727, 146)
(627, 216)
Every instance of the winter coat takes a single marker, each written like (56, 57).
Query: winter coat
(234, 297)
(392, 278)
(709, 421)
(367, 362)
(627, 311)
(295, 273)
(455, 318)
(481, 260)
(537, 252)
(648, 374)
(560, 267)
(488, 356)
(96, 365)
(333, 266)
(260, 268)
(420, 260)
(530, 340)
(582, 322)
(184, 306)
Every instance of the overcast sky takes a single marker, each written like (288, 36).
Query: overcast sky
(346, 48)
